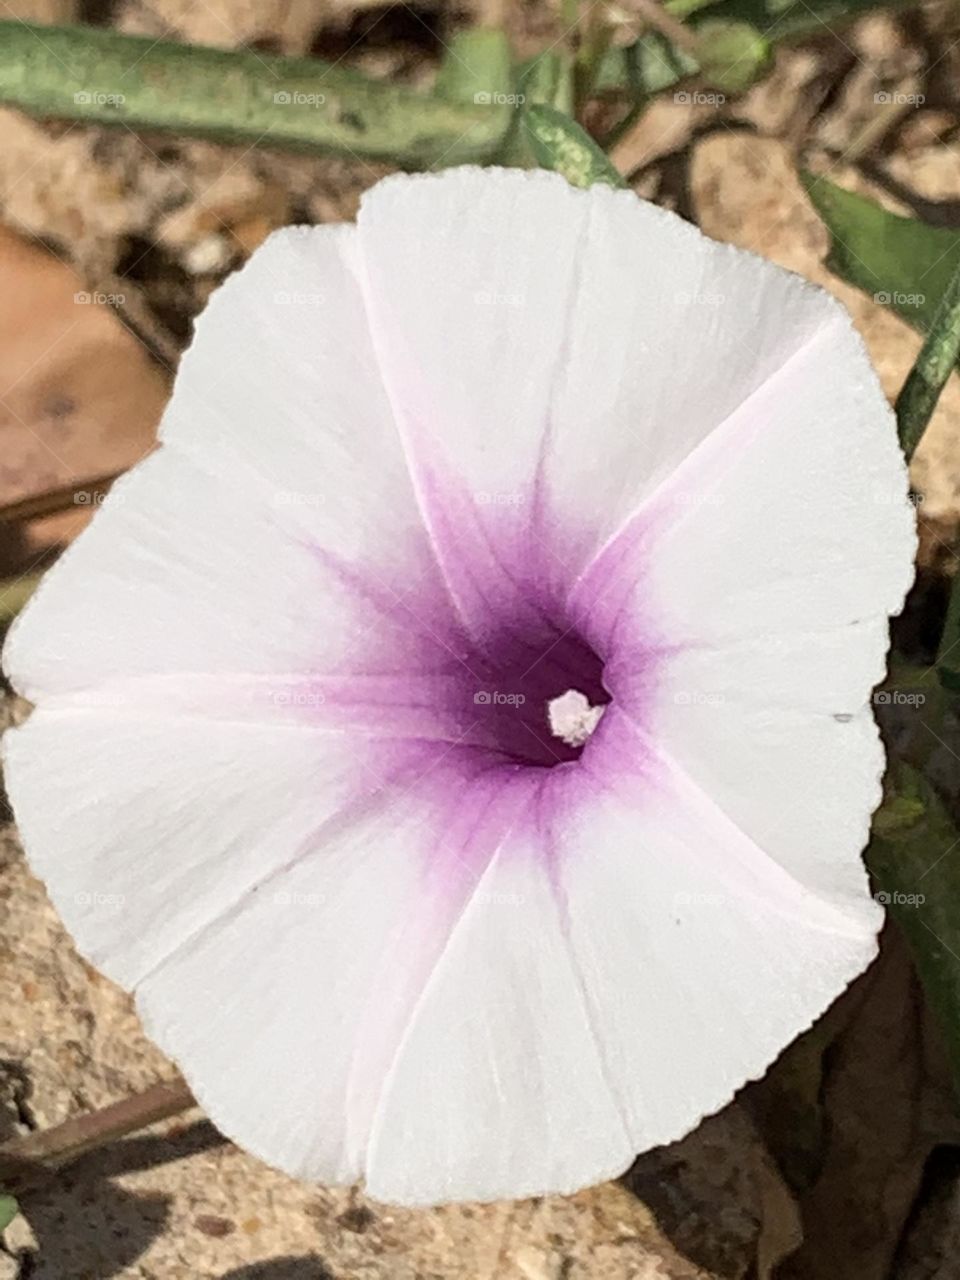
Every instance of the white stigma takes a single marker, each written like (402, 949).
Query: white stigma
(572, 718)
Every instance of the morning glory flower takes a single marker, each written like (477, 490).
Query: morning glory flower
(458, 733)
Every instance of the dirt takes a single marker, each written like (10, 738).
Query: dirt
(79, 394)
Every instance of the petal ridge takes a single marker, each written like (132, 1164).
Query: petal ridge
(711, 444)
(831, 917)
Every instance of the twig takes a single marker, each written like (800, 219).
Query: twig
(27, 1161)
(53, 501)
(887, 116)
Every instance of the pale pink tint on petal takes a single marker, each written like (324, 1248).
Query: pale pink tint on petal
(607, 339)
(501, 1044)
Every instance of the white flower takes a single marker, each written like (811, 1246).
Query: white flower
(388, 922)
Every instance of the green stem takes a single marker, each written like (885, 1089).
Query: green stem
(938, 355)
(594, 43)
(684, 8)
(14, 594)
(948, 654)
(103, 77)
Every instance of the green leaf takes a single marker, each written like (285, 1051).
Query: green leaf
(733, 55)
(914, 859)
(937, 358)
(780, 19)
(906, 265)
(654, 63)
(545, 80)
(8, 1211)
(559, 143)
(901, 262)
(647, 67)
(14, 594)
(948, 656)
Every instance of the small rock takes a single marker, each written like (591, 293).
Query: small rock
(532, 1264)
(208, 256)
(211, 1225)
(879, 38)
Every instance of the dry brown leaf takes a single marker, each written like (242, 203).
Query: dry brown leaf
(887, 1104)
(79, 396)
(720, 1197)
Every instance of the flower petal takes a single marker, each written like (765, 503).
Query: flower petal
(469, 322)
(553, 356)
(277, 935)
(792, 515)
(789, 713)
(174, 821)
(770, 560)
(264, 1011)
(551, 410)
(281, 482)
(501, 1044)
(700, 956)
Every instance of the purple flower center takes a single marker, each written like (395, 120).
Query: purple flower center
(515, 677)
